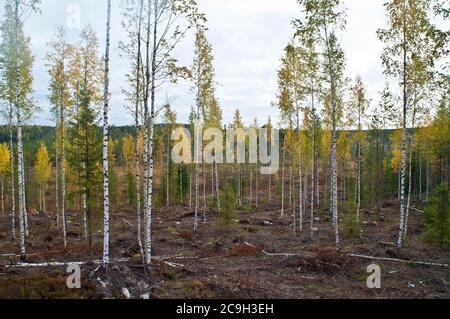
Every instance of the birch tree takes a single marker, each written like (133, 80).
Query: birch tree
(408, 26)
(164, 32)
(17, 61)
(105, 142)
(324, 18)
(357, 111)
(203, 77)
(59, 62)
(133, 24)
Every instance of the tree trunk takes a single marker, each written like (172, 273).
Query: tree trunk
(63, 175)
(148, 216)
(204, 192)
(11, 158)
(300, 186)
(216, 168)
(136, 137)
(411, 146)
(43, 198)
(19, 138)
(313, 170)
(404, 129)
(105, 144)
(358, 185)
(3, 202)
(58, 221)
(282, 180)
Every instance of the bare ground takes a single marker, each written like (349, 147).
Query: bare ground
(258, 258)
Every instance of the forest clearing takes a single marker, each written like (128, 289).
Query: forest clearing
(340, 190)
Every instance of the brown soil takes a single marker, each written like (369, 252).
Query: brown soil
(258, 258)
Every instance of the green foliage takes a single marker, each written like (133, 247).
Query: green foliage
(85, 151)
(131, 189)
(351, 227)
(437, 218)
(228, 212)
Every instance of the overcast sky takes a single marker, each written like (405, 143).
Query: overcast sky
(247, 37)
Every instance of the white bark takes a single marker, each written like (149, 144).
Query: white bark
(148, 214)
(63, 173)
(410, 163)
(136, 138)
(334, 193)
(57, 174)
(3, 203)
(11, 158)
(204, 192)
(300, 173)
(19, 138)
(197, 190)
(404, 137)
(43, 198)
(313, 168)
(27, 231)
(257, 186)
(105, 145)
(85, 222)
(283, 180)
(216, 169)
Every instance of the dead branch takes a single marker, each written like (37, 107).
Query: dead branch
(399, 260)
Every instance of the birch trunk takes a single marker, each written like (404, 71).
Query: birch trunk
(19, 138)
(168, 172)
(404, 129)
(85, 220)
(204, 192)
(334, 180)
(420, 172)
(27, 230)
(11, 159)
(197, 187)
(43, 198)
(3, 202)
(251, 186)
(216, 168)
(300, 173)
(282, 180)
(257, 186)
(105, 144)
(313, 170)
(428, 174)
(63, 175)
(57, 175)
(136, 146)
(190, 187)
(411, 146)
(148, 234)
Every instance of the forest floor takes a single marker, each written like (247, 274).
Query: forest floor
(257, 258)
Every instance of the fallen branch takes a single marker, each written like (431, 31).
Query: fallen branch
(273, 255)
(127, 222)
(417, 210)
(190, 214)
(399, 260)
(62, 264)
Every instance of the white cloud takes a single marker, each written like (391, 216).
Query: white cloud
(247, 36)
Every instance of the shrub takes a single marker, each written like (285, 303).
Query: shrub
(437, 218)
(228, 213)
